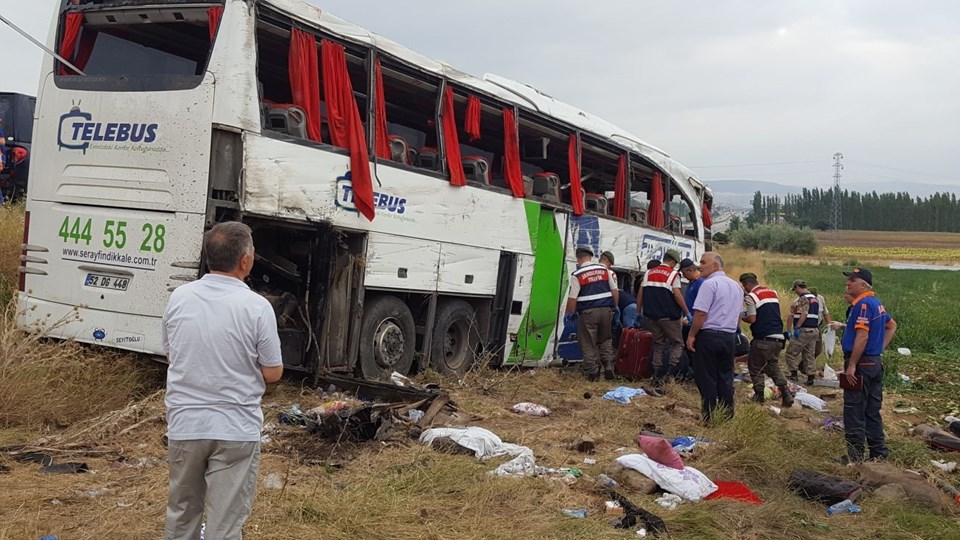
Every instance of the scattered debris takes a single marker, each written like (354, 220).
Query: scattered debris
(485, 445)
(917, 489)
(584, 444)
(588, 461)
(944, 466)
(606, 481)
(661, 451)
(669, 501)
(630, 479)
(633, 514)
(272, 481)
(530, 409)
(904, 408)
(822, 488)
(904, 351)
(833, 423)
(66, 468)
(623, 394)
(845, 506)
(937, 438)
(688, 483)
(575, 512)
(687, 444)
(613, 508)
(810, 401)
(775, 410)
(904, 378)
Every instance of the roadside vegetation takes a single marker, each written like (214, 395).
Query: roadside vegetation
(777, 238)
(105, 409)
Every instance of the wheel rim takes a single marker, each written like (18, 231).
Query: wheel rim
(455, 341)
(388, 344)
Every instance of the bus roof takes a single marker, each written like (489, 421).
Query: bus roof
(502, 88)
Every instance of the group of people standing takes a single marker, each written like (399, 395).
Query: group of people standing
(700, 328)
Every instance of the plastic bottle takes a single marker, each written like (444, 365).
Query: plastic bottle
(842, 507)
(607, 482)
(575, 513)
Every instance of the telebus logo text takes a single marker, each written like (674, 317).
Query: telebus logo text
(381, 200)
(78, 131)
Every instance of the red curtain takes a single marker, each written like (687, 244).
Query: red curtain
(346, 129)
(305, 79)
(381, 141)
(511, 152)
(451, 141)
(707, 218)
(655, 212)
(471, 124)
(71, 31)
(576, 188)
(213, 20)
(621, 192)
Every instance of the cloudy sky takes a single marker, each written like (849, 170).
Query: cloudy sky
(721, 85)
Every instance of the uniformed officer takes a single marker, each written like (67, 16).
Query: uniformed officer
(804, 330)
(663, 308)
(869, 330)
(766, 326)
(826, 320)
(593, 296)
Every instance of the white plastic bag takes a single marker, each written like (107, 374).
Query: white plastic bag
(828, 373)
(829, 343)
(688, 482)
(530, 409)
(810, 401)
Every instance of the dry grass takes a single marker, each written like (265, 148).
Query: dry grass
(400, 489)
(46, 383)
(11, 236)
(882, 239)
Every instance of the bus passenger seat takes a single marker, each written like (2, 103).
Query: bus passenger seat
(676, 224)
(288, 119)
(546, 185)
(527, 186)
(427, 159)
(399, 149)
(638, 215)
(597, 203)
(477, 169)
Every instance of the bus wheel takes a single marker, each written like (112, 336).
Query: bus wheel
(455, 338)
(387, 338)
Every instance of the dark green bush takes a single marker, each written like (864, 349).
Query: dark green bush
(779, 238)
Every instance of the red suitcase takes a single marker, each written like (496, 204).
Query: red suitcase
(633, 355)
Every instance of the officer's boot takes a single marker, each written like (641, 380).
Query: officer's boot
(758, 396)
(793, 375)
(810, 379)
(786, 398)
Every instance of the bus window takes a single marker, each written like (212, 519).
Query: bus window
(482, 157)
(411, 103)
(137, 49)
(682, 219)
(544, 154)
(598, 175)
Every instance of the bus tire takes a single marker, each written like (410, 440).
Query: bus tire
(455, 338)
(388, 338)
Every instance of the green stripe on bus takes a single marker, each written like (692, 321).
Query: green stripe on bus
(549, 279)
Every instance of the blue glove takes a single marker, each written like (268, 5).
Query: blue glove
(690, 318)
(616, 314)
(570, 319)
(796, 332)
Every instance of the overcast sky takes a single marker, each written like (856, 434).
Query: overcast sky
(716, 83)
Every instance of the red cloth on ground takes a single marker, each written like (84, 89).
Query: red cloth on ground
(734, 490)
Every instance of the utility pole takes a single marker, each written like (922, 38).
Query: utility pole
(837, 211)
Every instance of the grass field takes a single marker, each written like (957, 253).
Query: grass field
(104, 409)
(870, 246)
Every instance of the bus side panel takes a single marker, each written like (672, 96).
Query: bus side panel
(395, 262)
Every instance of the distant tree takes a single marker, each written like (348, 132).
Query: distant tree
(735, 223)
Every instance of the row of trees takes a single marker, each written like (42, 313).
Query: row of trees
(860, 211)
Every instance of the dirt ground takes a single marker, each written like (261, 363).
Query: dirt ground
(399, 488)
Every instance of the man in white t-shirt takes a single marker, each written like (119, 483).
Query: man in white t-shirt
(223, 349)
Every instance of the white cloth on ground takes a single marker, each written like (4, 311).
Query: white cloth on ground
(688, 483)
(485, 444)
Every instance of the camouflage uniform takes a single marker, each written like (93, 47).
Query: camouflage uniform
(801, 352)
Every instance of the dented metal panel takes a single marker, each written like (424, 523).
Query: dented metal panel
(299, 181)
(401, 263)
(468, 270)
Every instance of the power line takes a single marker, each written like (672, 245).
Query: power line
(908, 171)
(755, 164)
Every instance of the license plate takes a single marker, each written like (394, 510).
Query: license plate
(101, 281)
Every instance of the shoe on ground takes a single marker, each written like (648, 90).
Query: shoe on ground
(609, 375)
(810, 380)
(758, 397)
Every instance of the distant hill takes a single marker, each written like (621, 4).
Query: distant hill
(739, 193)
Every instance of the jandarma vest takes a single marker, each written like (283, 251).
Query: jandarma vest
(813, 312)
(658, 299)
(768, 321)
(594, 279)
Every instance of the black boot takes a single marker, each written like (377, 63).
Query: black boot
(786, 398)
(793, 376)
(810, 379)
(758, 396)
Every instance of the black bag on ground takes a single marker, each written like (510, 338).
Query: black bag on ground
(819, 487)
